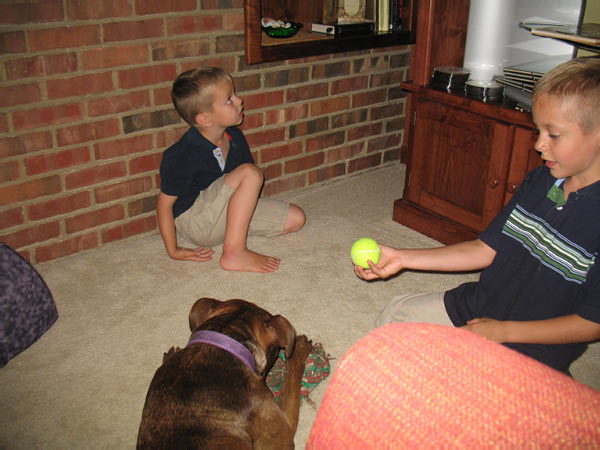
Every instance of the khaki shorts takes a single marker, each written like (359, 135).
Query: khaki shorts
(205, 222)
(420, 308)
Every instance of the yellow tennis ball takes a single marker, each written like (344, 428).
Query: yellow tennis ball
(363, 250)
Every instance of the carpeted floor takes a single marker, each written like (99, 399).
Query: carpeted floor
(84, 383)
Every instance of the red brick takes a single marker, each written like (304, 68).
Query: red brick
(47, 116)
(126, 55)
(368, 130)
(284, 184)
(143, 7)
(65, 248)
(98, 9)
(19, 94)
(329, 105)
(12, 217)
(265, 137)
(131, 30)
(263, 100)
(146, 75)
(63, 37)
(218, 4)
(194, 24)
(59, 206)
(127, 188)
(385, 142)
(138, 226)
(273, 171)
(252, 121)
(29, 190)
(55, 161)
(387, 111)
(162, 96)
(345, 153)
(145, 163)
(88, 132)
(233, 22)
(280, 152)
(25, 67)
(307, 162)
(144, 205)
(27, 143)
(227, 63)
(326, 173)
(119, 103)
(39, 11)
(349, 84)
(123, 147)
(365, 162)
(79, 85)
(95, 175)
(32, 235)
(369, 98)
(12, 42)
(307, 92)
(296, 112)
(94, 218)
(3, 123)
(9, 171)
(61, 63)
(324, 141)
(167, 50)
(229, 43)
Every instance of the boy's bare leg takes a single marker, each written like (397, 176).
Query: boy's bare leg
(247, 181)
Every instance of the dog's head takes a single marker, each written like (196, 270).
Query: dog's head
(263, 333)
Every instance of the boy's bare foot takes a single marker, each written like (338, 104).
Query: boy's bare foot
(248, 261)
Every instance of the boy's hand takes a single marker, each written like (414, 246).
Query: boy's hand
(199, 254)
(491, 329)
(388, 265)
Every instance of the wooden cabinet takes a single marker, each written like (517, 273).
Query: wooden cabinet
(260, 48)
(465, 160)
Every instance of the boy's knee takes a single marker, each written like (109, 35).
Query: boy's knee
(295, 219)
(245, 172)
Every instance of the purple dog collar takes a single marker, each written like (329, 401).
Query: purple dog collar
(226, 343)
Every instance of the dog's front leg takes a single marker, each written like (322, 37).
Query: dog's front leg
(289, 398)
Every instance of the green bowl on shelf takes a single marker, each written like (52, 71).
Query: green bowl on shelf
(282, 32)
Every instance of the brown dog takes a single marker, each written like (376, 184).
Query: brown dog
(212, 393)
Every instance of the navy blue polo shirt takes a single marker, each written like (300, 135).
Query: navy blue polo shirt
(189, 166)
(544, 265)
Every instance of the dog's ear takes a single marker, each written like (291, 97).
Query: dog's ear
(281, 333)
(202, 310)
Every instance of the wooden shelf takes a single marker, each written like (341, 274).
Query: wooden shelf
(260, 48)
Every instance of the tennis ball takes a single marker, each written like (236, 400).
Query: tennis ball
(363, 250)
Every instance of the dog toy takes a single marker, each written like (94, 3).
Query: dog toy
(363, 250)
(316, 369)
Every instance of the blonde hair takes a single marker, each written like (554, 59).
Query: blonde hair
(192, 91)
(576, 81)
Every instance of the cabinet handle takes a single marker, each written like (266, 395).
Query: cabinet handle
(493, 183)
(511, 188)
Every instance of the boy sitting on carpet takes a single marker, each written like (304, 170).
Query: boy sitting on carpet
(539, 291)
(210, 186)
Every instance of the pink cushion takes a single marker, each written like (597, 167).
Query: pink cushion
(429, 385)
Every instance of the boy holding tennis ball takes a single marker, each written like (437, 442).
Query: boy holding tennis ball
(539, 290)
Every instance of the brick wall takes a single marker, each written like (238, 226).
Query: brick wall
(85, 113)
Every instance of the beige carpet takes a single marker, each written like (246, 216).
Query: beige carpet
(121, 306)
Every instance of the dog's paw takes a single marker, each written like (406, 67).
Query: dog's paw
(303, 347)
(168, 354)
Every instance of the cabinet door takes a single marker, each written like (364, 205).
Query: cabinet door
(459, 163)
(524, 158)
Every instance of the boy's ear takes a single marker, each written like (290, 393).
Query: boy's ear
(202, 120)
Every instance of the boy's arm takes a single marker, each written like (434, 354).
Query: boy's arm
(569, 329)
(464, 256)
(166, 225)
